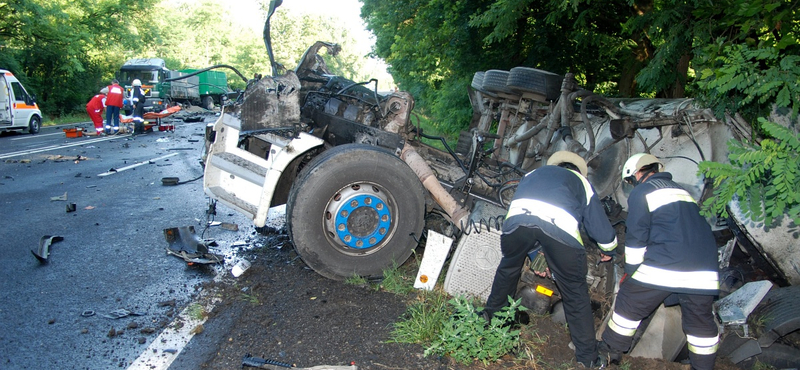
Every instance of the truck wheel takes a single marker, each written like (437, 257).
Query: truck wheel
(524, 79)
(208, 102)
(494, 80)
(355, 210)
(34, 125)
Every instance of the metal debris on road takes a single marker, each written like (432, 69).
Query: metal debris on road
(88, 313)
(183, 242)
(71, 207)
(261, 363)
(59, 198)
(120, 313)
(229, 226)
(44, 247)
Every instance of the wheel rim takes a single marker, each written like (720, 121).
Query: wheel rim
(358, 218)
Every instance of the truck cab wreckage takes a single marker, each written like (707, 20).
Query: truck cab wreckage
(362, 188)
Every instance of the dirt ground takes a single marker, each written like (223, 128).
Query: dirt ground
(282, 310)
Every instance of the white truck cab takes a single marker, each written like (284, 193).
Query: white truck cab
(18, 109)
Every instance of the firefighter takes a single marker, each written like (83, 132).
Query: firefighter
(113, 106)
(670, 257)
(138, 98)
(549, 207)
(95, 108)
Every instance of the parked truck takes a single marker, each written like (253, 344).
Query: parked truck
(363, 187)
(164, 87)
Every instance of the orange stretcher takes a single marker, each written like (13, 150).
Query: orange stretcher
(155, 116)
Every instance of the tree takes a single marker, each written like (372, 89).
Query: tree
(64, 48)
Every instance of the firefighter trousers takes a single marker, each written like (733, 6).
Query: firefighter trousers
(568, 266)
(635, 302)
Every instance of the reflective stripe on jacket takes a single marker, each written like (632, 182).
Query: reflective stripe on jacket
(559, 201)
(670, 245)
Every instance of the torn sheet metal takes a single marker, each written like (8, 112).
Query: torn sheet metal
(183, 242)
(44, 247)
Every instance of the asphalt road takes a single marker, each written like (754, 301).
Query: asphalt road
(113, 251)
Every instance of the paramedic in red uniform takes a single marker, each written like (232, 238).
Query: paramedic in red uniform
(549, 207)
(670, 257)
(113, 105)
(95, 108)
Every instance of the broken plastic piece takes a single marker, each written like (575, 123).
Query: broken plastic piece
(44, 247)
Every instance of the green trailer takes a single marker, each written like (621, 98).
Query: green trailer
(213, 85)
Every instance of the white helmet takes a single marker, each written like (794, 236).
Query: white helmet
(136, 82)
(564, 156)
(636, 162)
(104, 90)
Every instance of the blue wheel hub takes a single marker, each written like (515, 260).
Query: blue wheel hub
(359, 219)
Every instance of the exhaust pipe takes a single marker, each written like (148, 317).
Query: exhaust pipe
(458, 214)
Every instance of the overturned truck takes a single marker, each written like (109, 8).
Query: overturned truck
(363, 187)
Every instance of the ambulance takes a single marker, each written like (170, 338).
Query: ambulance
(18, 109)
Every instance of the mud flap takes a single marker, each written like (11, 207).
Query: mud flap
(183, 242)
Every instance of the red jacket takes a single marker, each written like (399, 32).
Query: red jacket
(115, 95)
(96, 104)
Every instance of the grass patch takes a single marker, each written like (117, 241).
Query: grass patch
(65, 119)
(356, 280)
(423, 319)
(398, 279)
(197, 311)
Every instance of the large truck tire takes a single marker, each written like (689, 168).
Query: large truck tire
(208, 102)
(494, 80)
(524, 79)
(355, 210)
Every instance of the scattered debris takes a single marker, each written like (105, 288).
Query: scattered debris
(120, 313)
(171, 351)
(184, 243)
(229, 226)
(71, 207)
(87, 313)
(44, 247)
(169, 303)
(197, 329)
(261, 363)
(240, 268)
(88, 207)
(59, 198)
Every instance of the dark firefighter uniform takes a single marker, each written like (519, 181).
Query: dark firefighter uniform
(549, 207)
(670, 253)
(138, 98)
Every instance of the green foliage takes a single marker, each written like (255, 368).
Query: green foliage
(397, 280)
(356, 280)
(763, 177)
(466, 336)
(423, 320)
(751, 79)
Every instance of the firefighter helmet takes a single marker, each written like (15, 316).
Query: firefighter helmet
(563, 156)
(136, 82)
(636, 162)
(104, 90)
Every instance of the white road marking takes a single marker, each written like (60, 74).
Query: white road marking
(165, 348)
(35, 136)
(118, 170)
(60, 146)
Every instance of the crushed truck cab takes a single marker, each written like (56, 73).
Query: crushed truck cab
(362, 185)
